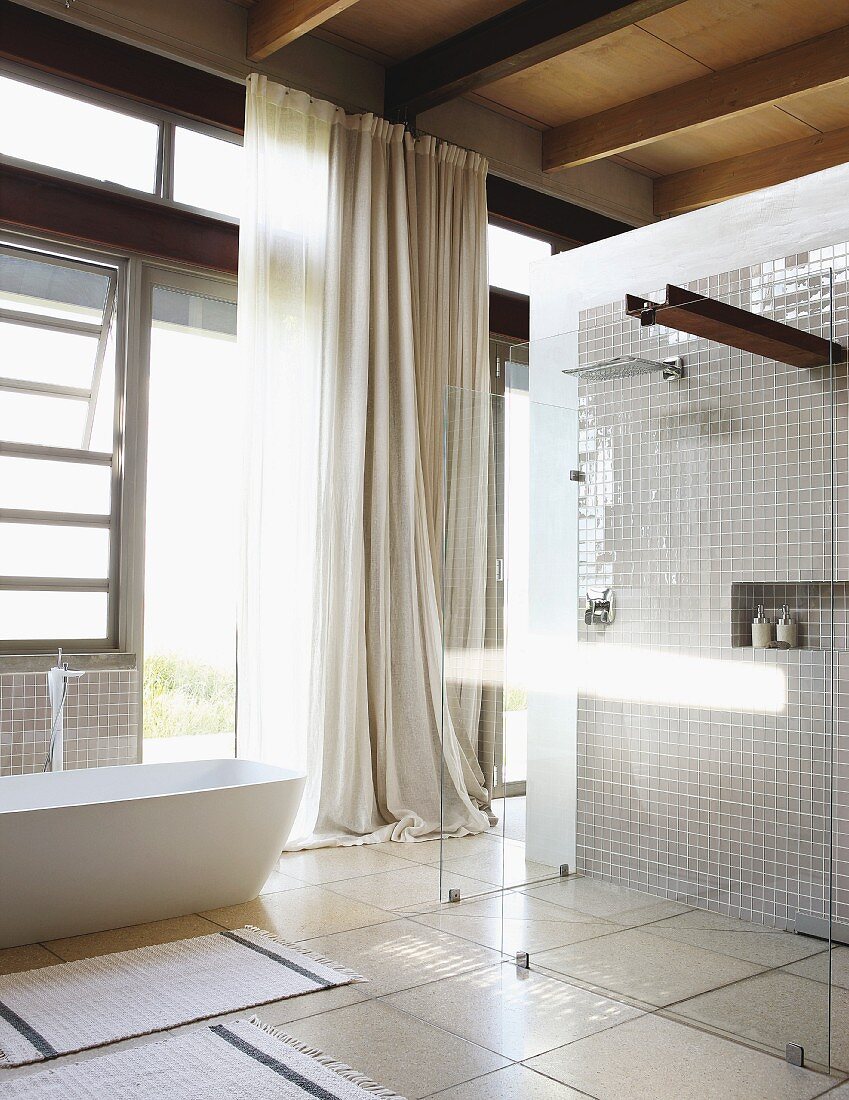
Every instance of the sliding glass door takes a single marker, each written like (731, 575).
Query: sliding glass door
(193, 463)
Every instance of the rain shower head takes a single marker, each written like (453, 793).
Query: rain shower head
(627, 366)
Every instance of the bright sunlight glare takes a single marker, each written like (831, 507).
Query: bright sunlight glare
(629, 674)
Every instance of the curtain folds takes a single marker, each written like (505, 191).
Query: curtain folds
(363, 293)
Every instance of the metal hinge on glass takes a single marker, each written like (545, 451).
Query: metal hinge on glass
(600, 609)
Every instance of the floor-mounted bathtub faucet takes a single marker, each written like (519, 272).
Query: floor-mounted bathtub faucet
(57, 689)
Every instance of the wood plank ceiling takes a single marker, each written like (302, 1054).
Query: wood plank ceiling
(712, 98)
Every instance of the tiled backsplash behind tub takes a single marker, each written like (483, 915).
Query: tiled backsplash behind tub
(100, 720)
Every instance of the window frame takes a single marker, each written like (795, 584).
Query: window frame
(102, 263)
(167, 121)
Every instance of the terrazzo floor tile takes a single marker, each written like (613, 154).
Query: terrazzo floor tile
(816, 966)
(603, 899)
(300, 914)
(134, 935)
(402, 954)
(15, 959)
(314, 1004)
(277, 882)
(503, 865)
(648, 968)
(321, 865)
(409, 886)
(523, 924)
(514, 1083)
(403, 1053)
(774, 1009)
(656, 1059)
(517, 1013)
(457, 847)
(741, 939)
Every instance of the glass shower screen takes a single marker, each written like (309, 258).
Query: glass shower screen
(664, 776)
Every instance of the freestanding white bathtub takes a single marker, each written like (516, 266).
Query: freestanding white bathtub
(83, 851)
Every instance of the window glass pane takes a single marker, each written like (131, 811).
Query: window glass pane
(52, 421)
(37, 550)
(39, 355)
(34, 285)
(207, 172)
(28, 616)
(510, 257)
(54, 486)
(191, 546)
(56, 130)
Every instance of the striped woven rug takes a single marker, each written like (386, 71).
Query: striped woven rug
(80, 1005)
(236, 1059)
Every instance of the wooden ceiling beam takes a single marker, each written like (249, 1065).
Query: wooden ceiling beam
(273, 24)
(725, 179)
(562, 223)
(765, 80)
(518, 38)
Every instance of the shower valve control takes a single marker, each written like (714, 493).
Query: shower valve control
(600, 609)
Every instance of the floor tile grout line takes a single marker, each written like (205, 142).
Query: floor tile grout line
(507, 956)
(504, 1069)
(646, 1009)
(55, 954)
(741, 1041)
(429, 1023)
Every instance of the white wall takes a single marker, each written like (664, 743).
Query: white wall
(812, 212)
(211, 35)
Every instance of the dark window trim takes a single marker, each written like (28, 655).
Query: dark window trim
(58, 207)
(63, 48)
(509, 315)
(60, 48)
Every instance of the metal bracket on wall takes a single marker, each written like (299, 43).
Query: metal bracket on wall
(564, 870)
(523, 960)
(453, 895)
(577, 475)
(795, 1054)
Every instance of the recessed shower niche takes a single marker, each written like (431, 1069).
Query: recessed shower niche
(810, 606)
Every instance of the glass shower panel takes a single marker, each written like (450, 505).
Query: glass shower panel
(694, 784)
(504, 456)
(703, 771)
(473, 652)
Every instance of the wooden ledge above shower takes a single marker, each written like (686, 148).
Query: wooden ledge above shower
(698, 315)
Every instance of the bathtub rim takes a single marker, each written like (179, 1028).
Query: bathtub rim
(279, 775)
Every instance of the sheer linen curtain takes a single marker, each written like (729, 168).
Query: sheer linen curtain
(362, 293)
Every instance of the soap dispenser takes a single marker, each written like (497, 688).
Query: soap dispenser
(786, 629)
(761, 629)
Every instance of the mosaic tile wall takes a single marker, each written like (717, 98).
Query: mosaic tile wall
(100, 719)
(692, 486)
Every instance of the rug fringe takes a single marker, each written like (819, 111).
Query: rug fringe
(342, 1068)
(331, 964)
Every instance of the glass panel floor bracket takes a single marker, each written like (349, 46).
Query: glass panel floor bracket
(806, 924)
